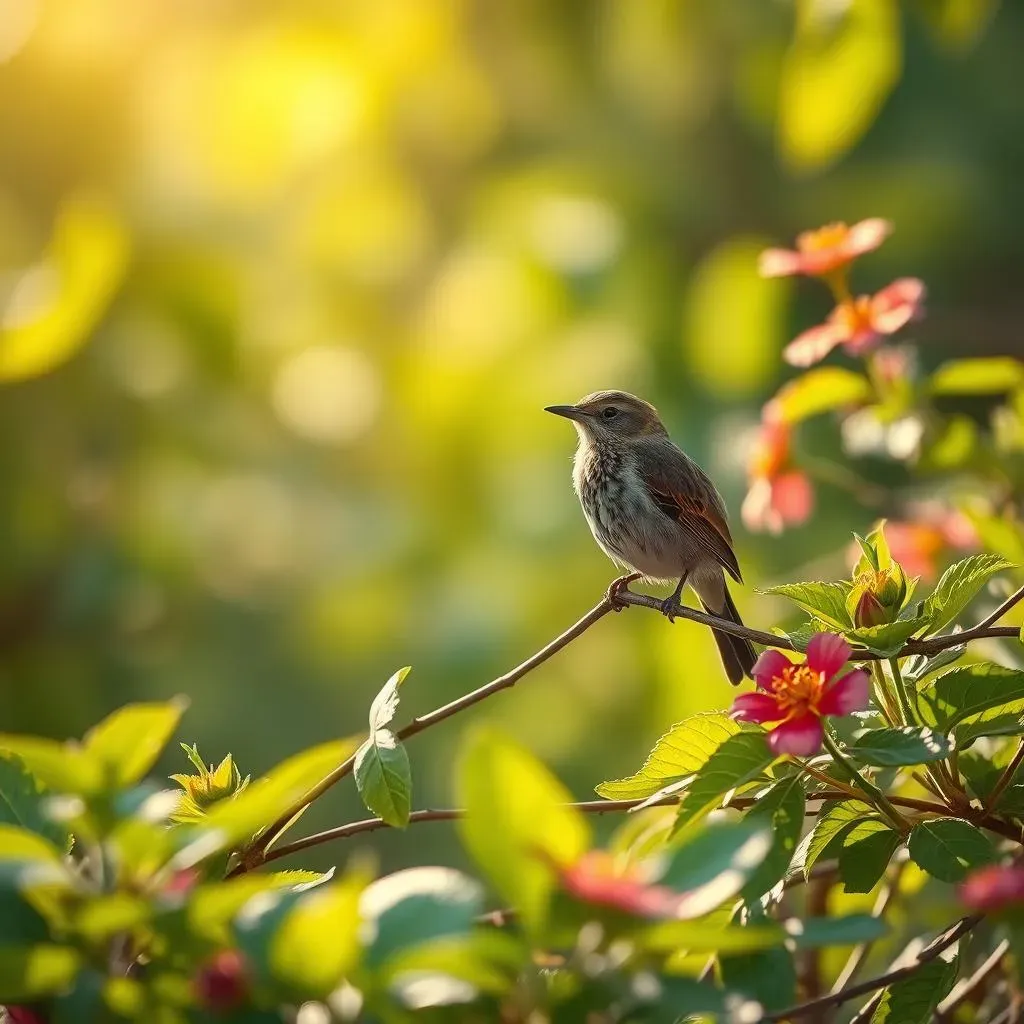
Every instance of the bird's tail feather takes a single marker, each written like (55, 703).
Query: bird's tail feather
(738, 655)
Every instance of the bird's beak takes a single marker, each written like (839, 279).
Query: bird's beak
(570, 412)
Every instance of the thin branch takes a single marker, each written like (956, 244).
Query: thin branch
(860, 952)
(1005, 779)
(934, 949)
(990, 620)
(963, 990)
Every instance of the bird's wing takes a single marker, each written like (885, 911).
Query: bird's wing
(684, 493)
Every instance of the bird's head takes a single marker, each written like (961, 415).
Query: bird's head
(611, 416)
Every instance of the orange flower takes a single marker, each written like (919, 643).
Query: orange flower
(827, 249)
(859, 324)
(780, 495)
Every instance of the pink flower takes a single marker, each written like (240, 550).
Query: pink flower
(780, 495)
(993, 887)
(222, 982)
(919, 541)
(594, 878)
(798, 696)
(859, 324)
(824, 250)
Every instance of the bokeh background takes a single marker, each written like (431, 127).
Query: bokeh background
(285, 286)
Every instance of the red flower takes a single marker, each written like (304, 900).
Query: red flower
(993, 887)
(594, 878)
(23, 1015)
(798, 696)
(824, 250)
(859, 324)
(780, 495)
(222, 982)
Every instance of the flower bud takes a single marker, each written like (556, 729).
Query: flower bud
(222, 982)
(993, 887)
(870, 611)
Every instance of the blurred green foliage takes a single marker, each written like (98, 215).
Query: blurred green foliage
(284, 288)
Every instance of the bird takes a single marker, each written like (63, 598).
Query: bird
(654, 511)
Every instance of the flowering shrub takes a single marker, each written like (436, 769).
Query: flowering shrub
(875, 765)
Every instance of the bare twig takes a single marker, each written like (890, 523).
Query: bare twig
(1006, 778)
(860, 952)
(963, 990)
(934, 949)
(1015, 598)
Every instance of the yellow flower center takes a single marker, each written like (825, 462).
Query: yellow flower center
(828, 237)
(855, 314)
(798, 690)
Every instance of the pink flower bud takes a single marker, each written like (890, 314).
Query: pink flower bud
(870, 611)
(222, 982)
(993, 887)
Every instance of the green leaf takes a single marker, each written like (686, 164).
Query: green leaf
(384, 778)
(31, 972)
(947, 848)
(517, 823)
(865, 854)
(21, 844)
(825, 601)
(385, 704)
(128, 742)
(22, 802)
(740, 759)
(886, 748)
(62, 767)
(266, 799)
(913, 999)
(985, 376)
(821, 390)
(781, 809)
(417, 906)
(887, 638)
(850, 930)
(317, 942)
(684, 749)
(769, 976)
(836, 818)
(837, 74)
(713, 864)
(973, 701)
(958, 586)
(707, 937)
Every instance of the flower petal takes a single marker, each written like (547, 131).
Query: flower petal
(792, 497)
(778, 263)
(851, 692)
(897, 304)
(800, 736)
(827, 653)
(770, 664)
(814, 344)
(866, 235)
(756, 707)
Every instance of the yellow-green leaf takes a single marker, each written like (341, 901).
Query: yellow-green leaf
(128, 742)
(821, 390)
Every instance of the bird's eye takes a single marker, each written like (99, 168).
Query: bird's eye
(610, 412)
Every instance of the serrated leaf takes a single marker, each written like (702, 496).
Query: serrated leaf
(887, 748)
(385, 704)
(865, 854)
(835, 819)
(768, 976)
(712, 865)
(825, 601)
(973, 701)
(985, 376)
(678, 754)
(417, 906)
(32, 972)
(384, 777)
(128, 742)
(918, 667)
(947, 848)
(849, 930)
(913, 1000)
(739, 760)
(62, 767)
(781, 809)
(958, 586)
(888, 638)
(517, 822)
(23, 801)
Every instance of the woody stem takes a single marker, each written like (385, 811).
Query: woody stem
(880, 799)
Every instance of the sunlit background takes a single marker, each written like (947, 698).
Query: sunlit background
(285, 286)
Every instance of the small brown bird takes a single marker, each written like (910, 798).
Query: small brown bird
(654, 510)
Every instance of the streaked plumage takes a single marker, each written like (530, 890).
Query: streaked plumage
(652, 509)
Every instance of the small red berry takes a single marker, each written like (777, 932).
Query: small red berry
(222, 982)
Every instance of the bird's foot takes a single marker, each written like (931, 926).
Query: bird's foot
(617, 586)
(670, 607)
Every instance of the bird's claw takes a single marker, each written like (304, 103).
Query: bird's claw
(616, 586)
(669, 608)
